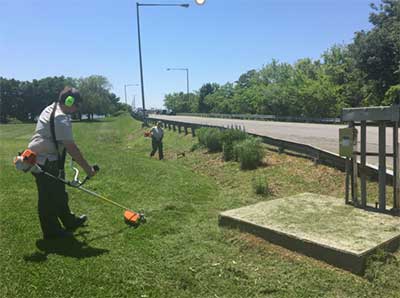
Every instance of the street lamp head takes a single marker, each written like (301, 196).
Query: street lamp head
(185, 5)
(200, 2)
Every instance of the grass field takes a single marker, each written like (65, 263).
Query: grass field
(180, 251)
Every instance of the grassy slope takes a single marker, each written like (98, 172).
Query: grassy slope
(181, 251)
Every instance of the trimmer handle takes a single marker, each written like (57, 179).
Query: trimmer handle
(96, 168)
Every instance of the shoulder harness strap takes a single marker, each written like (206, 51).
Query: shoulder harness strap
(61, 157)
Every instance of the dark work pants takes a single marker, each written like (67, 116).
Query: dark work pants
(53, 202)
(157, 145)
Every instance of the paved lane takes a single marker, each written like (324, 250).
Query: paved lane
(323, 136)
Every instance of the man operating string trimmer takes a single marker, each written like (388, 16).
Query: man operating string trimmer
(52, 139)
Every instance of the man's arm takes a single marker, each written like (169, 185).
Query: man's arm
(76, 155)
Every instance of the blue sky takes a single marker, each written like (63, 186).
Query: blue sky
(217, 41)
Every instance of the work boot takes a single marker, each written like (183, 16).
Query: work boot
(79, 222)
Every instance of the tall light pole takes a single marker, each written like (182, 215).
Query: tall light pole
(187, 79)
(200, 2)
(127, 85)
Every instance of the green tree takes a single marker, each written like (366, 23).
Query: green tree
(392, 96)
(221, 101)
(377, 52)
(11, 100)
(178, 102)
(205, 90)
(278, 92)
(340, 67)
(95, 92)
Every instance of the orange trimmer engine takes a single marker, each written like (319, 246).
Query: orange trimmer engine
(25, 160)
(133, 218)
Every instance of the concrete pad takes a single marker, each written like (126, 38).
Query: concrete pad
(318, 226)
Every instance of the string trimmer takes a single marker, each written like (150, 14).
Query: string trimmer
(26, 162)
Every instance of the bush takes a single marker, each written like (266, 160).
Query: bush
(229, 137)
(392, 96)
(249, 153)
(213, 140)
(195, 147)
(201, 136)
(227, 151)
(210, 138)
(260, 185)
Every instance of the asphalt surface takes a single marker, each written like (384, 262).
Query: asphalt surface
(322, 136)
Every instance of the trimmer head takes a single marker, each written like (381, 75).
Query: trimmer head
(133, 218)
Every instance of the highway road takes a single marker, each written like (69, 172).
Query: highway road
(322, 136)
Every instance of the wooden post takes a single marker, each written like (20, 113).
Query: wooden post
(193, 131)
(179, 128)
(382, 165)
(354, 169)
(185, 129)
(396, 181)
(347, 186)
(363, 163)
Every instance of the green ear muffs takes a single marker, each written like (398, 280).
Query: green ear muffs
(69, 101)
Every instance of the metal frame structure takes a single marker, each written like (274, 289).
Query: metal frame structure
(383, 117)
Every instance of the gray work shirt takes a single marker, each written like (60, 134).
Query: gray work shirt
(157, 133)
(42, 142)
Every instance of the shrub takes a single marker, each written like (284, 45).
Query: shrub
(201, 136)
(213, 140)
(195, 147)
(210, 138)
(392, 96)
(229, 137)
(260, 185)
(227, 151)
(249, 153)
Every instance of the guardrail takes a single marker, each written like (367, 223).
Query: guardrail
(316, 154)
(266, 117)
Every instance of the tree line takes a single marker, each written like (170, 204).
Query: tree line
(363, 73)
(24, 100)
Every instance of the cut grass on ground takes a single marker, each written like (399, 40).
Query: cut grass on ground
(180, 251)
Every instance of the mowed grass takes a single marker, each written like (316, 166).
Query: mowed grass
(180, 251)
